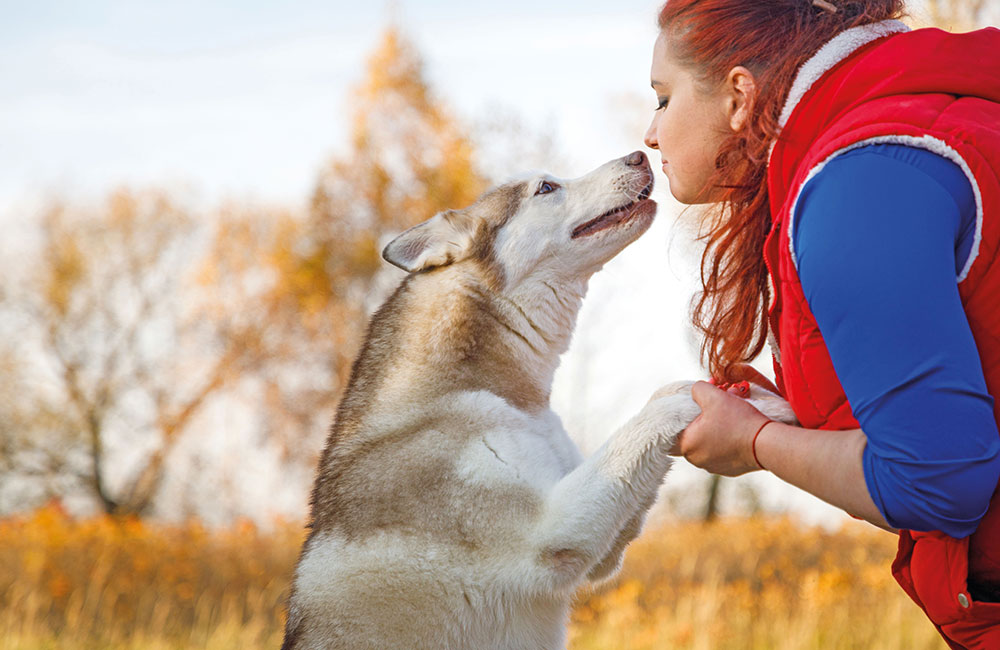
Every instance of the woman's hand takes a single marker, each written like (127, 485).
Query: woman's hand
(720, 440)
(827, 464)
(746, 372)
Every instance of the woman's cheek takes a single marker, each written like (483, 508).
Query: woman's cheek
(668, 150)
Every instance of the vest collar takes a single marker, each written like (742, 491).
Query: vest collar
(833, 52)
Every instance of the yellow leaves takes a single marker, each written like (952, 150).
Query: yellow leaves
(954, 15)
(409, 159)
(395, 66)
(85, 250)
(67, 267)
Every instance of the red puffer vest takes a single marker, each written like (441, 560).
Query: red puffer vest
(938, 91)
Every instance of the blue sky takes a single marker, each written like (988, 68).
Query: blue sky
(244, 100)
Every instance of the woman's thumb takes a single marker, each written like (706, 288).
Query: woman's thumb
(703, 392)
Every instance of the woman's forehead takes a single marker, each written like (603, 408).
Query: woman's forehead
(665, 67)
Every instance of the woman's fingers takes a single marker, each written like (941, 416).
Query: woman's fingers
(702, 393)
(719, 439)
(748, 373)
(740, 389)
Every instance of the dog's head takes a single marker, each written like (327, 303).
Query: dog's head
(544, 226)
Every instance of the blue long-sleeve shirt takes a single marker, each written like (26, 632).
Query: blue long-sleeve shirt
(880, 236)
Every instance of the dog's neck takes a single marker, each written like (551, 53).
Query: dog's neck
(457, 331)
(505, 340)
(544, 311)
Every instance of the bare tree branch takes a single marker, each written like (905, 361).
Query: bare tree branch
(144, 314)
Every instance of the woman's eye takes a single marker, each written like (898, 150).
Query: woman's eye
(545, 187)
(662, 103)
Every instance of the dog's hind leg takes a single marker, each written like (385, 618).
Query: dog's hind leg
(591, 507)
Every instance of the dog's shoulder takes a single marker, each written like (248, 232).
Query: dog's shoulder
(429, 465)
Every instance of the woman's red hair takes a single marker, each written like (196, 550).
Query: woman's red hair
(771, 38)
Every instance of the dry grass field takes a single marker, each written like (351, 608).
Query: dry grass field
(742, 584)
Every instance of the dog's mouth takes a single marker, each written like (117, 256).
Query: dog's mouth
(617, 216)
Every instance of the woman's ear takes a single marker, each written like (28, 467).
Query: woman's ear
(741, 91)
(445, 238)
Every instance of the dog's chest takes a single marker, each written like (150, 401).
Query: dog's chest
(533, 451)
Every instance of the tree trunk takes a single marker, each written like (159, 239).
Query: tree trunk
(712, 506)
(109, 504)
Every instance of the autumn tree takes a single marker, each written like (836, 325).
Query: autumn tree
(408, 159)
(126, 347)
(140, 313)
(961, 15)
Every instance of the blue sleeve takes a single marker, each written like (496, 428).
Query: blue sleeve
(880, 235)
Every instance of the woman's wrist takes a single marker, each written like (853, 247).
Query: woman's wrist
(827, 464)
(753, 443)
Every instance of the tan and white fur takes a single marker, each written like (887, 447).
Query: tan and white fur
(451, 509)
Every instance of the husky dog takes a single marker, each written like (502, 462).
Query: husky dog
(451, 509)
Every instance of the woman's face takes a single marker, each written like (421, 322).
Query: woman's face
(688, 127)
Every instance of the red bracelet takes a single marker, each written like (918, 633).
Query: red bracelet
(753, 445)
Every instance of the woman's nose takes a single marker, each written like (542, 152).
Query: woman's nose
(650, 137)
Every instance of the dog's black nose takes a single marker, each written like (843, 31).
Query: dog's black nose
(635, 159)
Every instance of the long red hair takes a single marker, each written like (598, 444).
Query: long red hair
(771, 38)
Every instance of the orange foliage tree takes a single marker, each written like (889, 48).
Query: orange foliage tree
(123, 355)
(141, 313)
(961, 15)
(408, 159)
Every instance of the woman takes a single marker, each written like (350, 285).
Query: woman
(853, 168)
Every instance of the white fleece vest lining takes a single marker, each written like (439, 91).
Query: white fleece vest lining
(836, 50)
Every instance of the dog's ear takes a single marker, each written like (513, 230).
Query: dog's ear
(443, 239)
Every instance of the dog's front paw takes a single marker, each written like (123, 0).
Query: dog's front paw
(673, 409)
(673, 388)
(773, 406)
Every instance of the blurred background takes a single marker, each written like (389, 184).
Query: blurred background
(193, 200)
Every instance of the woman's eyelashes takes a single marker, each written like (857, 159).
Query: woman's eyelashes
(661, 103)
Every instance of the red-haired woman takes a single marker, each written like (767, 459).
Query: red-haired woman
(853, 172)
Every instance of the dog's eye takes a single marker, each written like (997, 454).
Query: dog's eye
(545, 187)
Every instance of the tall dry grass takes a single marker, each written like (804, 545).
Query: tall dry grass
(754, 584)
(107, 583)
(748, 584)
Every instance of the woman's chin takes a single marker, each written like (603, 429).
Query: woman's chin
(680, 193)
(687, 196)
